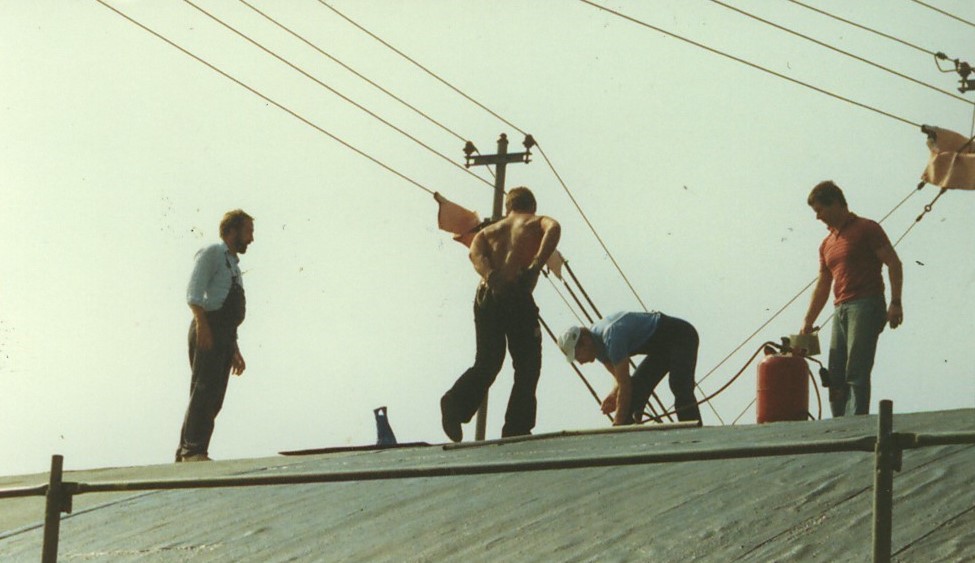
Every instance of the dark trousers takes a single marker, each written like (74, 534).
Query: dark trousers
(673, 349)
(208, 385)
(510, 319)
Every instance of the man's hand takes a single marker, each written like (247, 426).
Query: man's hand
(895, 314)
(204, 336)
(609, 403)
(807, 328)
(237, 364)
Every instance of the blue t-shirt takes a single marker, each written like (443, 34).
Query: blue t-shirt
(619, 335)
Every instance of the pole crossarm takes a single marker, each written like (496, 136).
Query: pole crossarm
(488, 159)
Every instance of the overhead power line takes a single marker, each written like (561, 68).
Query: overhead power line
(842, 52)
(423, 68)
(463, 94)
(264, 96)
(334, 91)
(944, 13)
(318, 49)
(863, 27)
(749, 63)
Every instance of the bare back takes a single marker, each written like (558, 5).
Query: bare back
(510, 246)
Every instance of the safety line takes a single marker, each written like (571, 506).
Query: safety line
(863, 27)
(564, 300)
(421, 67)
(265, 97)
(942, 12)
(748, 63)
(841, 51)
(336, 92)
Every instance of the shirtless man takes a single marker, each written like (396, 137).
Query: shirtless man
(508, 255)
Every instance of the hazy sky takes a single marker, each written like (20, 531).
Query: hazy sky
(121, 153)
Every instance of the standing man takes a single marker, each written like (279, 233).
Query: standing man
(851, 258)
(508, 255)
(670, 345)
(216, 297)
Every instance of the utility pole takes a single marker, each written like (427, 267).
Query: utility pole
(500, 162)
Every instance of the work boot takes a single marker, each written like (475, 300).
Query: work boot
(450, 420)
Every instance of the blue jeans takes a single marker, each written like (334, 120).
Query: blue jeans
(856, 328)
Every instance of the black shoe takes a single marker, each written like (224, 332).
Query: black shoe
(450, 421)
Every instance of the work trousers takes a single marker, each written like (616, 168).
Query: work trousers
(208, 386)
(510, 319)
(672, 349)
(857, 326)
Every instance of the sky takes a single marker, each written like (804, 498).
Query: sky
(121, 153)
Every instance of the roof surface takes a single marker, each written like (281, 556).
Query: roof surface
(815, 507)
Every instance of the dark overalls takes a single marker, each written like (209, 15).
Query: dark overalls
(211, 372)
(512, 318)
(671, 349)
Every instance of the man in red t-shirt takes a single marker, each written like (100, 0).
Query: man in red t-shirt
(851, 258)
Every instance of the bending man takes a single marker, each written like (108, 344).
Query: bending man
(670, 346)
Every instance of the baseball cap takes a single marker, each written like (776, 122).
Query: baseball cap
(568, 341)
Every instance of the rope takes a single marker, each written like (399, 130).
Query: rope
(927, 209)
(266, 98)
(848, 54)
(750, 64)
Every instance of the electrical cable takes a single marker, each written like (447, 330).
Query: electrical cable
(505, 121)
(750, 64)
(863, 27)
(352, 70)
(838, 50)
(423, 68)
(265, 97)
(336, 92)
(944, 13)
(357, 73)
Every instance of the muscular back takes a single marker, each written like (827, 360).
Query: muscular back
(510, 246)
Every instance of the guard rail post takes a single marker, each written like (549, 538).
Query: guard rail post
(887, 460)
(58, 500)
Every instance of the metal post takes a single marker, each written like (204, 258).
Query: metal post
(52, 511)
(883, 484)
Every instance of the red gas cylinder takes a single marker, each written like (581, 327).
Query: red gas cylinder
(783, 388)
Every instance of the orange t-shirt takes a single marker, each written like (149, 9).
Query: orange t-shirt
(849, 253)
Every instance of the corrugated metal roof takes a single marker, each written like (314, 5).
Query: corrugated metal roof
(809, 508)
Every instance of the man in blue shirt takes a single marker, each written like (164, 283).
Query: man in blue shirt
(670, 345)
(216, 297)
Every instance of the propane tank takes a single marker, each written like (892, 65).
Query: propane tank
(783, 387)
